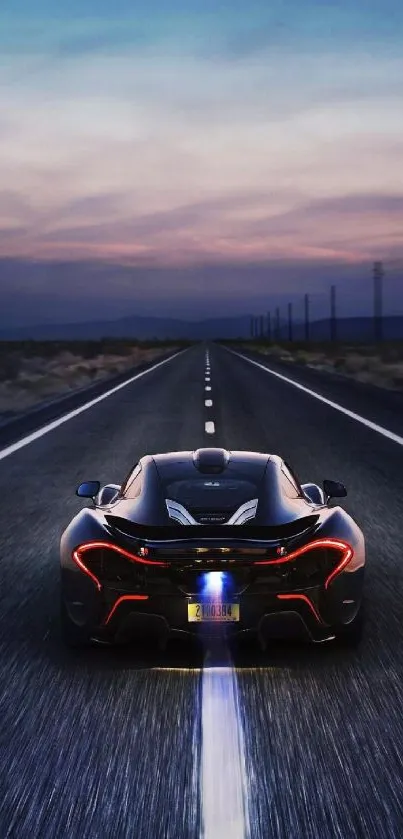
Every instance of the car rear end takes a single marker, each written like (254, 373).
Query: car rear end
(272, 588)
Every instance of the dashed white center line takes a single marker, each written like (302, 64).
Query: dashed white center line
(209, 427)
(207, 378)
(207, 387)
(208, 403)
(224, 785)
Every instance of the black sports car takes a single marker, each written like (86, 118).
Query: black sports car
(211, 542)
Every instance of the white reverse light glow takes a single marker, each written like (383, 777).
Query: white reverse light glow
(214, 581)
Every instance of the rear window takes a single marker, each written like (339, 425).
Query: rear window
(132, 486)
(211, 492)
(289, 482)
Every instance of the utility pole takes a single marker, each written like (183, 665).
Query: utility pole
(290, 321)
(268, 326)
(378, 300)
(261, 326)
(333, 321)
(307, 317)
(278, 324)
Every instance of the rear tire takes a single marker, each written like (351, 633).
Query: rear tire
(73, 636)
(351, 634)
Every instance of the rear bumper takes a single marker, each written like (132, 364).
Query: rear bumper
(113, 616)
(265, 618)
(133, 625)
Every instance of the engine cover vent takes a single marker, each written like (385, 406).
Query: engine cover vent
(211, 461)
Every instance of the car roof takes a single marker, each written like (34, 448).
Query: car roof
(205, 461)
(236, 477)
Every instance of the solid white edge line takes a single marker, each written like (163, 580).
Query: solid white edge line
(208, 403)
(209, 427)
(40, 432)
(390, 435)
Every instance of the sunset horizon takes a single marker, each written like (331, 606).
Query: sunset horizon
(198, 139)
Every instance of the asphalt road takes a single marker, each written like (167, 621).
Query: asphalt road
(108, 745)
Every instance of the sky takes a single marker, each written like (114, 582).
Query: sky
(183, 157)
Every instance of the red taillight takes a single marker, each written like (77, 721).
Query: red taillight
(93, 546)
(121, 600)
(79, 562)
(348, 554)
(305, 599)
(337, 544)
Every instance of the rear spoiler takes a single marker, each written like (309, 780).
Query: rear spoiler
(217, 532)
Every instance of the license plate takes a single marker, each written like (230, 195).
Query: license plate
(217, 612)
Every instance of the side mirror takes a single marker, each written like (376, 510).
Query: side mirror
(89, 489)
(334, 489)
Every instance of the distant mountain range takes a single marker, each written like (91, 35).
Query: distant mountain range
(145, 328)
(134, 327)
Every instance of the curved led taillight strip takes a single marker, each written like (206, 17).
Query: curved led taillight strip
(92, 546)
(79, 562)
(337, 544)
(122, 600)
